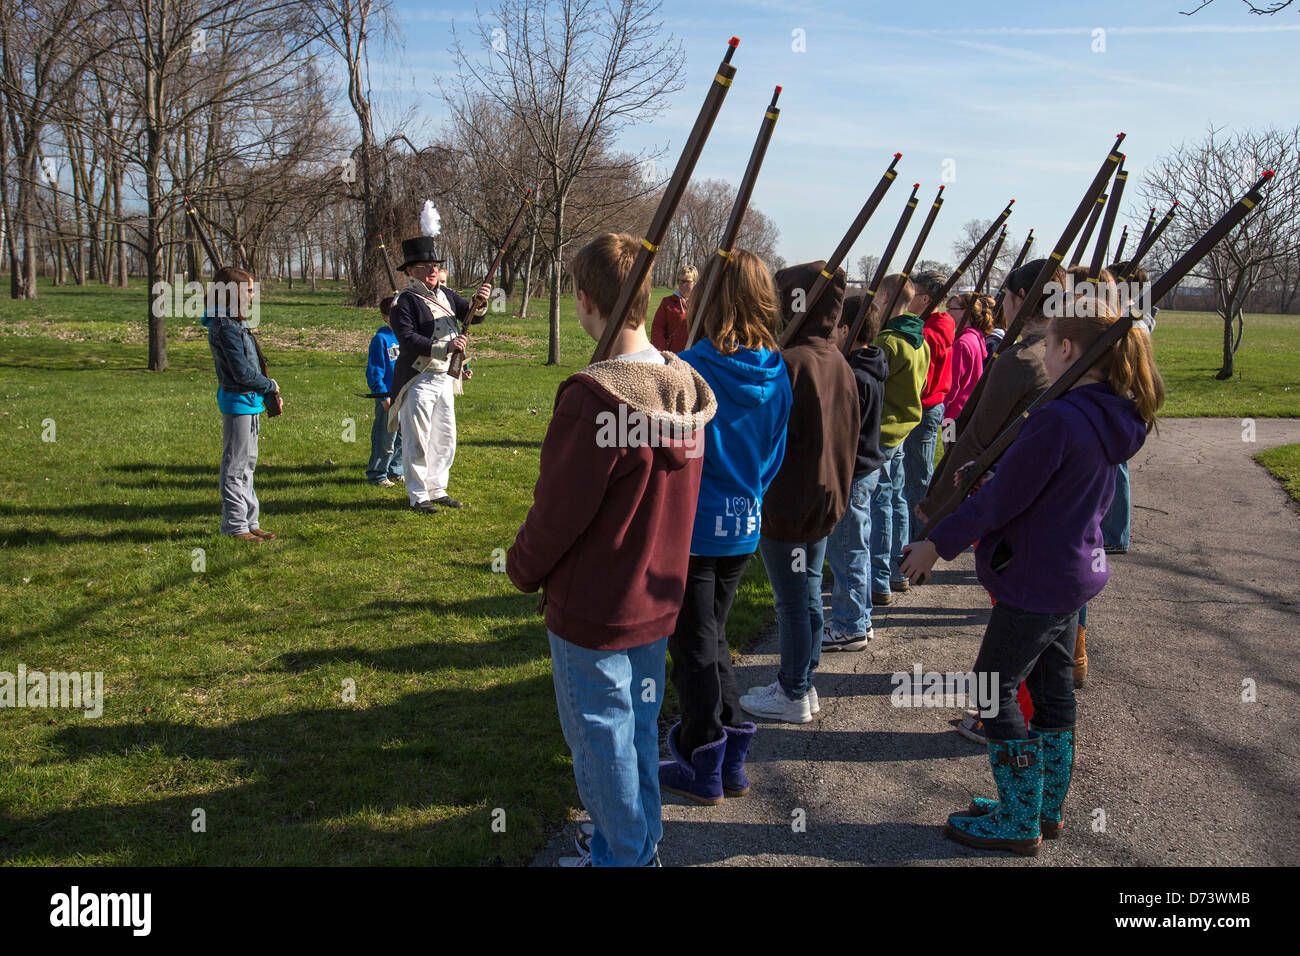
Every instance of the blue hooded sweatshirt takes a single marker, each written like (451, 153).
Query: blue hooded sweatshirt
(240, 382)
(744, 445)
(1038, 519)
(382, 360)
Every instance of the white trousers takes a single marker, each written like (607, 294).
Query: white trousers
(428, 422)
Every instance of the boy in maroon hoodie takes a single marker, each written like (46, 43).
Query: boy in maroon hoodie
(919, 445)
(609, 538)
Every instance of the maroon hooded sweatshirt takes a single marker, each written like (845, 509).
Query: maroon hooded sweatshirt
(609, 532)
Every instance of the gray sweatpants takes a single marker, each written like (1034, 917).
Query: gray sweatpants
(238, 459)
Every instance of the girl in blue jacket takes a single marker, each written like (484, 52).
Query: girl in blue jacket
(743, 449)
(1041, 556)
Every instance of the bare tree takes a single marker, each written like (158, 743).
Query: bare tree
(971, 233)
(573, 72)
(1206, 179)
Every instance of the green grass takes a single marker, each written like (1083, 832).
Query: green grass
(224, 687)
(1266, 383)
(1284, 464)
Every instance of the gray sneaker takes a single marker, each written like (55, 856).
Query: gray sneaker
(833, 640)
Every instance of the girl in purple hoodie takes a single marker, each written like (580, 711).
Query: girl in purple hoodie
(1041, 556)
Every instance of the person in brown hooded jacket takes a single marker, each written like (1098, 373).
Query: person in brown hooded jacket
(811, 491)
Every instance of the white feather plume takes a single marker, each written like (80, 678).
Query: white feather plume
(430, 221)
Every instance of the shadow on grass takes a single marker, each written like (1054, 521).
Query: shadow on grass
(457, 753)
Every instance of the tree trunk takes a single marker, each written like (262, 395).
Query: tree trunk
(528, 271)
(553, 351)
(1225, 372)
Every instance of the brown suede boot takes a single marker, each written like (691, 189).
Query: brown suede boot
(1080, 658)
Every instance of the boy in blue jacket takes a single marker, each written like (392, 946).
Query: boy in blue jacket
(385, 467)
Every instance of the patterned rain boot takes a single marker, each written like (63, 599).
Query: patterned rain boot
(1058, 767)
(1013, 822)
(734, 781)
(700, 778)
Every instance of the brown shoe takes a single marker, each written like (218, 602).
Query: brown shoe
(1080, 658)
(264, 535)
(880, 600)
(248, 536)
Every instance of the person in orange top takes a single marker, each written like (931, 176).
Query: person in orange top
(669, 331)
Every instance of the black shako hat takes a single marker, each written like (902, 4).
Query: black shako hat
(419, 249)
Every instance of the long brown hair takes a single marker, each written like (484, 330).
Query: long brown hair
(1129, 366)
(977, 311)
(744, 310)
(228, 279)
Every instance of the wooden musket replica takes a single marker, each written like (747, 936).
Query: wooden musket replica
(882, 269)
(617, 319)
(842, 250)
(1146, 231)
(1020, 259)
(388, 265)
(1108, 224)
(1159, 289)
(993, 257)
(456, 359)
(713, 274)
(1084, 239)
(965, 263)
(1119, 246)
(1149, 241)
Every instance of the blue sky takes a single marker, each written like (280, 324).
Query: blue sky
(1013, 93)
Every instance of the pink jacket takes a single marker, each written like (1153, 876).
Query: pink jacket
(968, 354)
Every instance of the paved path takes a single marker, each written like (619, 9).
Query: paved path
(1184, 771)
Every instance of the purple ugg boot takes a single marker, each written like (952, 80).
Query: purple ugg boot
(734, 781)
(700, 779)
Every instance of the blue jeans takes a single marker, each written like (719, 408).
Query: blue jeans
(612, 730)
(889, 521)
(850, 560)
(918, 457)
(795, 571)
(1115, 525)
(385, 447)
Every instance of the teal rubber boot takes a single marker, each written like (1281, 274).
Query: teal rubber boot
(1012, 824)
(1058, 768)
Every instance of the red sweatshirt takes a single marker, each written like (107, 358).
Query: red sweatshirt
(668, 332)
(940, 331)
(609, 533)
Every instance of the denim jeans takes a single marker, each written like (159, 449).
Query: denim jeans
(795, 571)
(918, 457)
(1115, 525)
(609, 710)
(889, 521)
(385, 447)
(1037, 649)
(849, 556)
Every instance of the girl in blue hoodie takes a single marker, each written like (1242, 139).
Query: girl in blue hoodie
(743, 449)
(1041, 556)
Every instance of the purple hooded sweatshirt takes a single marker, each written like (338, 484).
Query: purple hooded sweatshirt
(1038, 520)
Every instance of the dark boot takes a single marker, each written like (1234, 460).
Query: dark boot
(1013, 823)
(734, 781)
(700, 779)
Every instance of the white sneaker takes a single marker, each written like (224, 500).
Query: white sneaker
(814, 705)
(771, 702)
(833, 640)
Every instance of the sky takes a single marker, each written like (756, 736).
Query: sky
(997, 101)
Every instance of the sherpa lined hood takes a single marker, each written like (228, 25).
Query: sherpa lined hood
(672, 394)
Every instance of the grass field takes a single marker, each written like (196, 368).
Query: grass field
(1284, 464)
(225, 665)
